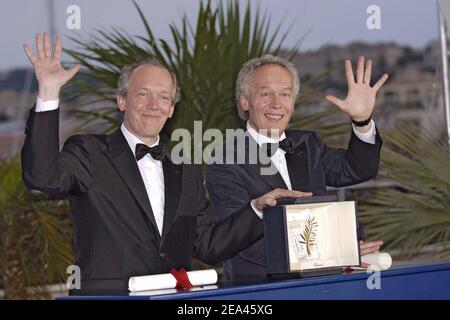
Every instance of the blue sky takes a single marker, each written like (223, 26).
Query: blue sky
(407, 22)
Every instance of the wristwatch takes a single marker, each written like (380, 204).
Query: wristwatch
(362, 123)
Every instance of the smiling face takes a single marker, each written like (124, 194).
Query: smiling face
(271, 99)
(148, 103)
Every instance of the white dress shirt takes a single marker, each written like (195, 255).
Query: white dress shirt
(151, 170)
(279, 160)
(49, 105)
(153, 175)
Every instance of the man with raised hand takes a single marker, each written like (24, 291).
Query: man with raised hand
(266, 91)
(135, 212)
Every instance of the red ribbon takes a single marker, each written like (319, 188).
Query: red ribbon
(182, 278)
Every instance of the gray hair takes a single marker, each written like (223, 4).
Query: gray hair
(247, 70)
(127, 71)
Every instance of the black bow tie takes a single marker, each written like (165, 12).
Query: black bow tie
(157, 152)
(284, 144)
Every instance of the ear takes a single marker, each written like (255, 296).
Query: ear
(121, 102)
(171, 110)
(244, 102)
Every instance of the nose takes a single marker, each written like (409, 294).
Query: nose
(275, 102)
(151, 102)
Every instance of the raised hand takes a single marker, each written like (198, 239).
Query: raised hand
(50, 74)
(360, 99)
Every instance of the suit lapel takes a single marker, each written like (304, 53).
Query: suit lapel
(125, 164)
(298, 164)
(273, 180)
(173, 175)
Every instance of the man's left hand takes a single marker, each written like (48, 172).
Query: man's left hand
(369, 247)
(360, 99)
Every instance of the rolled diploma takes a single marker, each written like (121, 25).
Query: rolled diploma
(381, 259)
(168, 281)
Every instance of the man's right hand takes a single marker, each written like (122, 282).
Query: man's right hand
(50, 74)
(270, 199)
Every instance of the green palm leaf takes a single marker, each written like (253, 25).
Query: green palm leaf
(416, 214)
(205, 56)
(35, 237)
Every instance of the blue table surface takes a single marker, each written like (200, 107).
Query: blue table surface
(426, 277)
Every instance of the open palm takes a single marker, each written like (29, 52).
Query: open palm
(47, 66)
(360, 99)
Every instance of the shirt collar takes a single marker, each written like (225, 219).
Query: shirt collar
(260, 138)
(133, 140)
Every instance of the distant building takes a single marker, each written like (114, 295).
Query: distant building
(14, 109)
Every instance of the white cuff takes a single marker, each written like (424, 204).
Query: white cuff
(367, 137)
(258, 212)
(49, 105)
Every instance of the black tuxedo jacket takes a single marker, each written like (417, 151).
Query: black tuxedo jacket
(115, 231)
(311, 167)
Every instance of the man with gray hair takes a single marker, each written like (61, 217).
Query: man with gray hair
(266, 92)
(135, 212)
